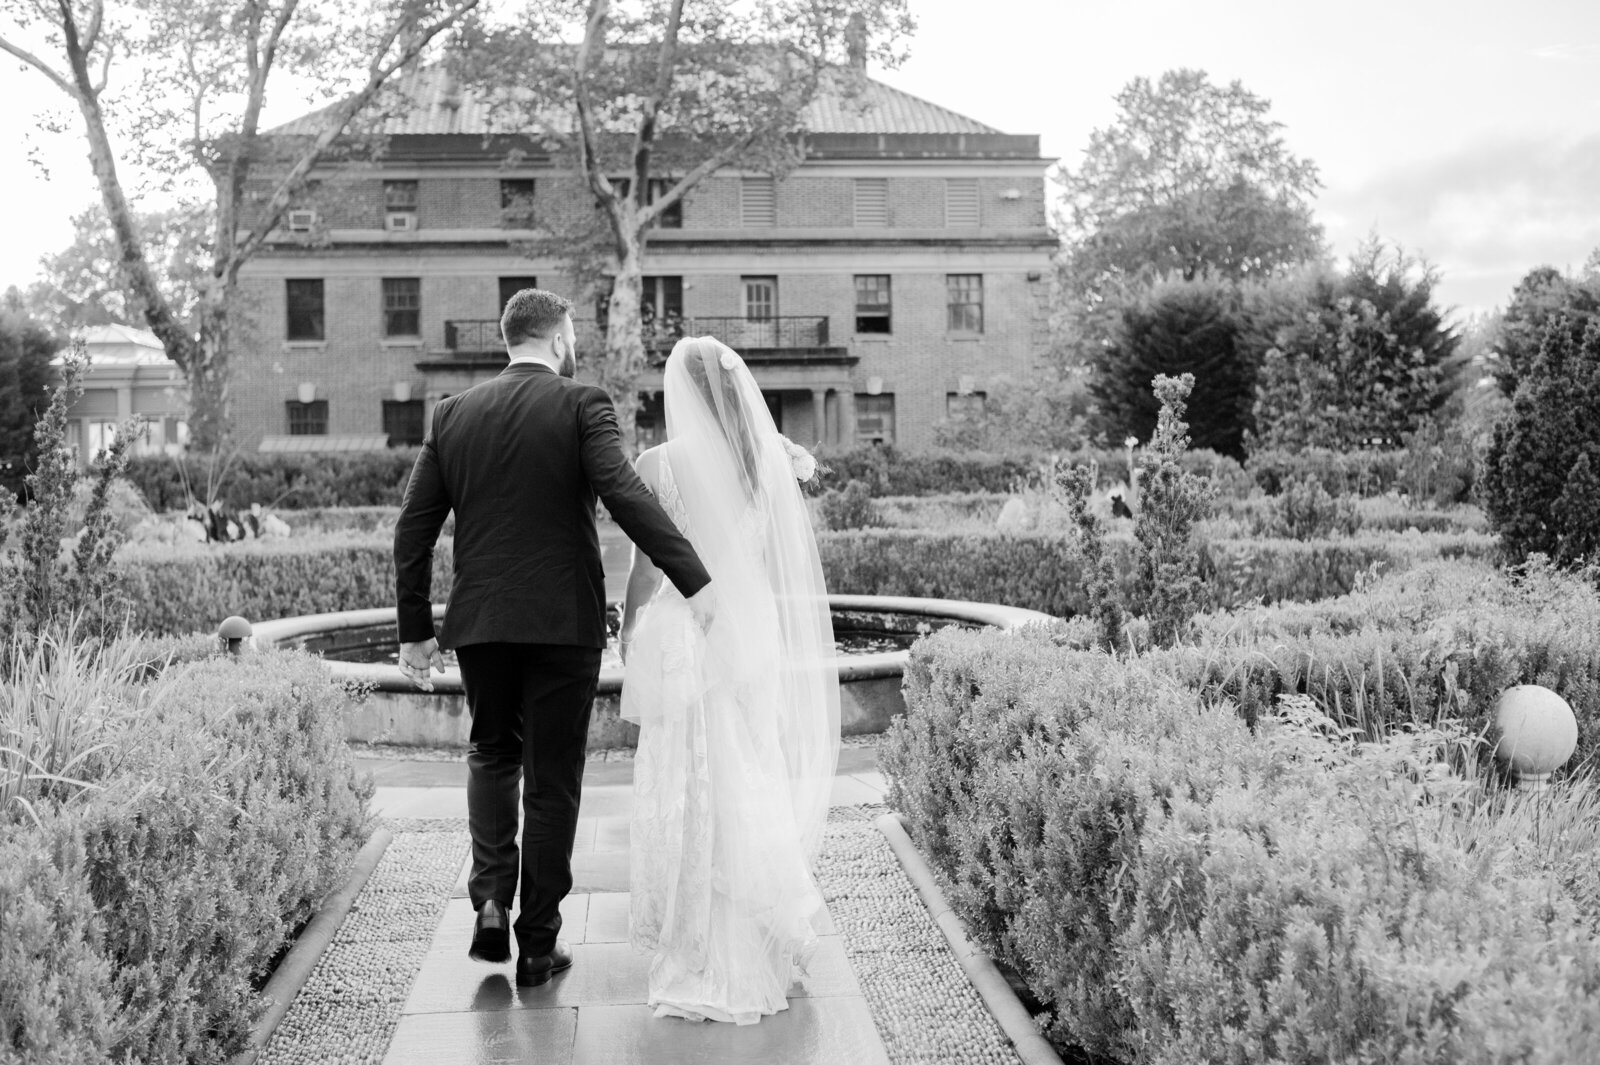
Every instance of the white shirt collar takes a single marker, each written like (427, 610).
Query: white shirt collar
(535, 359)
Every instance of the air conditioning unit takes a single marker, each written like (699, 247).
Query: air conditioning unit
(301, 221)
(400, 221)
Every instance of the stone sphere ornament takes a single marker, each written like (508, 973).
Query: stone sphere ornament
(1537, 732)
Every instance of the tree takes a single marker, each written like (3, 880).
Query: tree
(1540, 488)
(1045, 411)
(26, 348)
(1177, 326)
(1358, 359)
(654, 98)
(1543, 297)
(1192, 178)
(204, 67)
(82, 285)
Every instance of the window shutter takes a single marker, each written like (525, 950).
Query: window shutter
(961, 202)
(872, 202)
(758, 203)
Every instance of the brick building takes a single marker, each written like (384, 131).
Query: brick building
(880, 285)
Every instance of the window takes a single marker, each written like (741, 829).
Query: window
(663, 297)
(872, 202)
(402, 421)
(399, 196)
(516, 202)
(304, 298)
(308, 419)
(402, 306)
(758, 202)
(964, 298)
(760, 298)
(672, 217)
(872, 303)
(963, 404)
(961, 201)
(875, 418)
(510, 286)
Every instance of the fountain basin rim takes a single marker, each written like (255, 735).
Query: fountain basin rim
(386, 678)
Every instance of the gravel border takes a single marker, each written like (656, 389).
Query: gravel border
(926, 1010)
(298, 965)
(350, 1004)
(1008, 1011)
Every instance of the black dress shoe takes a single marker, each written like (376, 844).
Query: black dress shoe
(536, 969)
(491, 934)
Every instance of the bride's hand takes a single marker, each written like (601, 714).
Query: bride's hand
(624, 642)
(703, 604)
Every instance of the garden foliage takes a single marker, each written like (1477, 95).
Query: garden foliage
(1099, 572)
(1305, 511)
(1170, 558)
(849, 507)
(1176, 886)
(287, 481)
(1541, 488)
(139, 908)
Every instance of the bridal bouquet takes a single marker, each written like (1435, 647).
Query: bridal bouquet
(801, 461)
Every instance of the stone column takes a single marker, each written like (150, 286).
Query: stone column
(847, 418)
(819, 413)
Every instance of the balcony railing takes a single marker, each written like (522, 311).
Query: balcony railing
(791, 333)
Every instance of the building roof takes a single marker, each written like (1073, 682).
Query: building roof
(442, 107)
(120, 345)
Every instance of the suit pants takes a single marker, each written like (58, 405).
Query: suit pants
(530, 706)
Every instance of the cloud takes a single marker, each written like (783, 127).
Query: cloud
(1563, 53)
(1485, 214)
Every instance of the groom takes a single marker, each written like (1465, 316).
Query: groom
(520, 459)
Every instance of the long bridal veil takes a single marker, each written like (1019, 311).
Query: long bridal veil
(772, 641)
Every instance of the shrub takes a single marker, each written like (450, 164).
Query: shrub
(1540, 486)
(213, 817)
(287, 480)
(1355, 472)
(1171, 582)
(849, 508)
(1176, 888)
(1305, 511)
(1099, 573)
(38, 590)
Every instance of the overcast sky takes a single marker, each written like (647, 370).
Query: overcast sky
(1468, 130)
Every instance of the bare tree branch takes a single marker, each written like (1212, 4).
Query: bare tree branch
(588, 159)
(645, 136)
(40, 65)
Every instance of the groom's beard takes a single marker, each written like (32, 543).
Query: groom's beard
(569, 364)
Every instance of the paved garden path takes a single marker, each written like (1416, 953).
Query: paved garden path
(461, 1011)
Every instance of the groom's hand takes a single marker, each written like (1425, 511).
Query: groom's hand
(703, 604)
(416, 659)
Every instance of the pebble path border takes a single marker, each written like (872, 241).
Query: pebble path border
(350, 1005)
(926, 1010)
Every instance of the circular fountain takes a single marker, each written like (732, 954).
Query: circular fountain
(875, 633)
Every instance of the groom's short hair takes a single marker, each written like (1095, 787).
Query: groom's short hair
(533, 314)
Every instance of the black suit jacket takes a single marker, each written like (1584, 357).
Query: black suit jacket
(520, 459)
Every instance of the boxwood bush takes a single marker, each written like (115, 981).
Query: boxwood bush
(890, 471)
(1177, 887)
(138, 914)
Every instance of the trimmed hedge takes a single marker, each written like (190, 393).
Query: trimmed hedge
(1043, 572)
(287, 481)
(1423, 470)
(1177, 888)
(136, 919)
(193, 588)
(888, 471)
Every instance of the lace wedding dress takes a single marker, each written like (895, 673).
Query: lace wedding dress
(738, 738)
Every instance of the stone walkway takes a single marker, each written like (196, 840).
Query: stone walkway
(461, 1011)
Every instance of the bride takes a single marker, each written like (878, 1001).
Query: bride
(739, 726)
